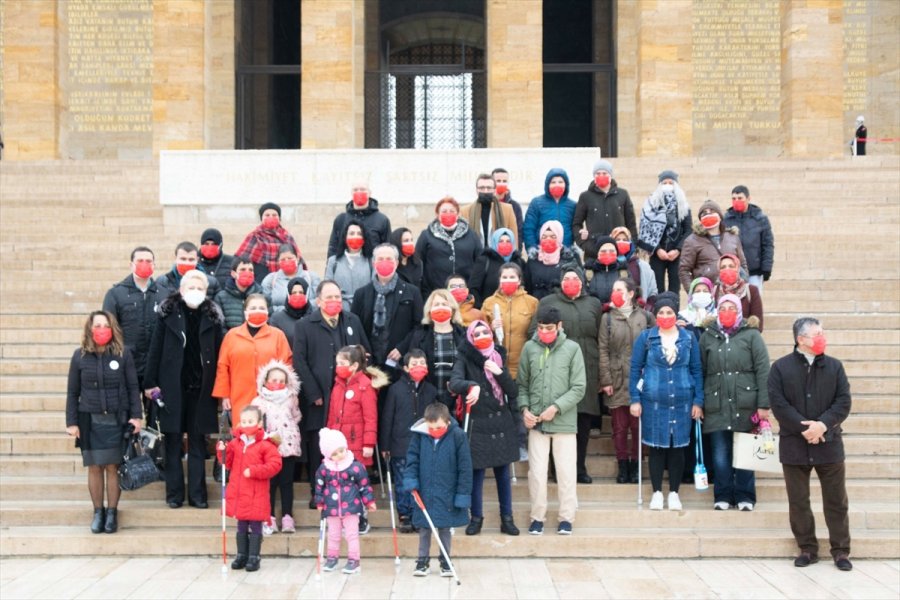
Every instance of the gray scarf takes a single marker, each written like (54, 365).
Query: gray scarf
(382, 291)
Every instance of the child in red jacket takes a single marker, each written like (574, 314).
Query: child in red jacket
(353, 406)
(253, 459)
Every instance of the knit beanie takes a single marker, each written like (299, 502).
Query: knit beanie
(267, 206)
(668, 174)
(211, 235)
(603, 239)
(713, 206)
(330, 440)
(603, 165)
(669, 299)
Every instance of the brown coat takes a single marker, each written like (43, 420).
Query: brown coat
(502, 215)
(516, 312)
(469, 313)
(700, 257)
(617, 336)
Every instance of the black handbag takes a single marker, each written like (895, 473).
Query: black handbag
(138, 468)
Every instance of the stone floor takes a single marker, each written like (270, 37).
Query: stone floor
(87, 577)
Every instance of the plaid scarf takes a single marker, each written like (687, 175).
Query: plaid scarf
(261, 246)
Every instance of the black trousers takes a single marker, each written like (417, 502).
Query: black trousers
(310, 449)
(834, 505)
(284, 481)
(662, 268)
(582, 437)
(196, 468)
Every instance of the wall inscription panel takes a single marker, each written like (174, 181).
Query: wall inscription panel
(107, 53)
(736, 58)
(856, 59)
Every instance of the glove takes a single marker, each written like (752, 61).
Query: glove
(766, 275)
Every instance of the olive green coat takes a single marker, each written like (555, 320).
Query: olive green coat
(617, 335)
(736, 372)
(552, 375)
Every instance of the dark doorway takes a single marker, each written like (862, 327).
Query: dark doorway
(267, 64)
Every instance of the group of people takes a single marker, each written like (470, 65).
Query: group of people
(488, 339)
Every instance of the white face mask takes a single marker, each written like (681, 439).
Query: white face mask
(701, 299)
(276, 396)
(667, 188)
(194, 298)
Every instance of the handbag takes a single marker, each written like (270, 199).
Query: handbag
(138, 468)
(701, 480)
(756, 451)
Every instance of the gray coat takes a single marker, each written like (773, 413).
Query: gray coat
(350, 277)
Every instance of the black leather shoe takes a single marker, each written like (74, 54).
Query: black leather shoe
(842, 562)
(112, 521)
(475, 524)
(584, 478)
(175, 504)
(99, 520)
(508, 526)
(201, 504)
(805, 559)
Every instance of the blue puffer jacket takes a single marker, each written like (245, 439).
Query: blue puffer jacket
(343, 492)
(667, 391)
(544, 208)
(442, 472)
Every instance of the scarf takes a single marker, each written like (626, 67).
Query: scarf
(654, 217)
(261, 245)
(696, 315)
(552, 258)
(381, 290)
(339, 466)
(450, 237)
(489, 353)
(495, 239)
(670, 351)
(740, 313)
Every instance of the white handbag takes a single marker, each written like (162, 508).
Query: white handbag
(756, 452)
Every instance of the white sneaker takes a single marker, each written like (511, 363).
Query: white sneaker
(270, 527)
(674, 501)
(721, 506)
(656, 501)
(745, 506)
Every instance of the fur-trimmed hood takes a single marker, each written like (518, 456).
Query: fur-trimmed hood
(293, 381)
(751, 322)
(378, 377)
(210, 308)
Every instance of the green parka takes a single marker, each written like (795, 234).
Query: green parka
(736, 372)
(551, 375)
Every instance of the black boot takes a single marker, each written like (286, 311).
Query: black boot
(112, 521)
(475, 524)
(240, 559)
(99, 520)
(634, 468)
(255, 543)
(624, 472)
(508, 526)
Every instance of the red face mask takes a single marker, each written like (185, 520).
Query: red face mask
(504, 248)
(623, 247)
(257, 319)
(250, 431)
(333, 308)
(728, 276)
(606, 258)
(509, 287)
(385, 268)
(418, 373)
(209, 251)
(483, 343)
(460, 294)
(819, 344)
(571, 287)
(408, 248)
(728, 318)
(355, 243)
(547, 337)
(557, 190)
(739, 204)
(448, 220)
(710, 221)
(438, 432)
(441, 314)
(617, 298)
(288, 265)
(297, 301)
(274, 386)
(183, 268)
(245, 279)
(271, 222)
(666, 322)
(101, 335)
(343, 371)
(601, 180)
(502, 188)
(549, 246)
(143, 269)
(360, 199)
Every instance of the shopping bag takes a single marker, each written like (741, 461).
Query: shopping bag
(755, 452)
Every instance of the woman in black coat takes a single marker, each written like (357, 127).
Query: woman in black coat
(480, 375)
(296, 307)
(486, 274)
(544, 269)
(446, 246)
(181, 366)
(102, 397)
(410, 267)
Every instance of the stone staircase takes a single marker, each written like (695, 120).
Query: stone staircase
(66, 229)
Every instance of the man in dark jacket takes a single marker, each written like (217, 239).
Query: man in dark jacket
(601, 208)
(501, 181)
(134, 302)
(756, 235)
(185, 260)
(241, 284)
(388, 307)
(317, 339)
(363, 208)
(810, 397)
(213, 260)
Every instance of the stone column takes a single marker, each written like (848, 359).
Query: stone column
(812, 78)
(515, 78)
(219, 109)
(332, 100)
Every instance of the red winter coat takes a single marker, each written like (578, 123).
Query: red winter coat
(354, 411)
(247, 498)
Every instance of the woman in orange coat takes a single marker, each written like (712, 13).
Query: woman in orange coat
(244, 350)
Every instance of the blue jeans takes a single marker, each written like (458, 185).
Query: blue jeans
(731, 485)
(504, 490)
(402, 497)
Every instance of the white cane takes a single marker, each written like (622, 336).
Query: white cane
(640, 463)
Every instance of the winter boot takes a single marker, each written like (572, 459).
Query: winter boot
(99, 521)
(624, 474)
(475, 524)
(112, 521)
(634, 469)
(255, 543)
(240, 559)
(508, 526)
